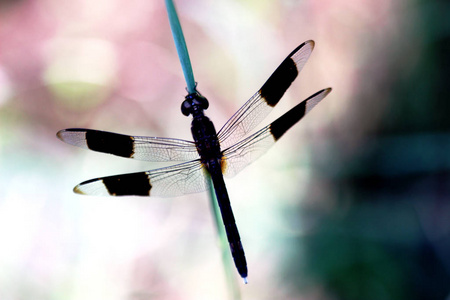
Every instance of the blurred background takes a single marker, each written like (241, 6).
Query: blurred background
(352, 203)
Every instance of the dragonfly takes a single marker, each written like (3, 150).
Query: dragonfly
(212, 154)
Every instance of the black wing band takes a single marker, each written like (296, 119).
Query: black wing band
(240, 155)
(136, 147)
(262, 103)
(176, 180)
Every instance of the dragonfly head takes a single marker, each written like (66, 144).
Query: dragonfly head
(194, 103)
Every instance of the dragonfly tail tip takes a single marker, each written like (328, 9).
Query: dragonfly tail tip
(245, 280)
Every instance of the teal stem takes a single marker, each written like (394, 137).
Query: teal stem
(180, 44)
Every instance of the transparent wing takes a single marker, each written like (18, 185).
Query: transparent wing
(240, 155)
(176, 180)
(136, 147)
(261, 103)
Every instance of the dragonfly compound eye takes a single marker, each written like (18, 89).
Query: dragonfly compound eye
(186, 107)
(201, 101)
(194, 102)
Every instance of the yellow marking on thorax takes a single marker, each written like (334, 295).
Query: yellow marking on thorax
(223, 164)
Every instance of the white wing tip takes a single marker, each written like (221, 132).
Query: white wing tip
(316, 98)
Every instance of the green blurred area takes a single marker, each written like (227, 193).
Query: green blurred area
(389, 234)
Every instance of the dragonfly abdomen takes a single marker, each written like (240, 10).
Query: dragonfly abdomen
(234, 239)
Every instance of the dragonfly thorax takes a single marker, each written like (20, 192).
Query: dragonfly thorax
(205, 138)
(194, 104)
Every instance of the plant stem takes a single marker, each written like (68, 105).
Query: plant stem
(180, 44)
